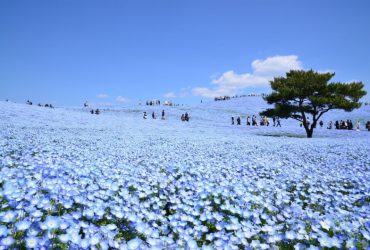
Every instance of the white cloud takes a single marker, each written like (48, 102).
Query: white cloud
(102, 96)
(276, 65)
(169, 95)
(184, 92)
(231, 83)
(121, 99)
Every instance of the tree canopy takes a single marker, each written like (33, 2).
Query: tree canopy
(301, 93)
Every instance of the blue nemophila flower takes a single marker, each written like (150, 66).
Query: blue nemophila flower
(325, 241)
(52, 222)
(64, 238)
(290, 235)
(134, 244)
(3, 231)
(31, 242)
(23, 225)
(8, 241)
(9, 216)
(84, 243)
(94, 240)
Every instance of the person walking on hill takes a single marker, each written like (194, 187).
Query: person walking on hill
(163, 115)
(330, 125)
(238, 121)
(278, 122)
(232, 120)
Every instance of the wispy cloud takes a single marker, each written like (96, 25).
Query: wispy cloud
(170, 95)
(121, 99)
(102, 96)
(231, 83)
(184, 92)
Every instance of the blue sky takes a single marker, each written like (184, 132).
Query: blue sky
(66, 52)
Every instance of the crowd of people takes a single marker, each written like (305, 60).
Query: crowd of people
(153, 103)
(253, 121)
(154, 115)
(225, 98)
(40, 105)
(185, 117)
(96, 111)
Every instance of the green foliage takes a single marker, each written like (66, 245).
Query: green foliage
(301, 93)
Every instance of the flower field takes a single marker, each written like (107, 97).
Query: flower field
(72, 180)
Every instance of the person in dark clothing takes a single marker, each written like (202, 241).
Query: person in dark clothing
(182, 117)
(321, 123)
(278, 122)
(336, 125)
(163, 115)
(186, 117)
(368, 126)
(232, 120)
(92, 111)
(274, 121)
(330, 126)
(238, 121)
(97, 111)
(254, 121)
(153, 115)
(248, 122)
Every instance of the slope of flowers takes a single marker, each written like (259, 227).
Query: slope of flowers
(69, 180)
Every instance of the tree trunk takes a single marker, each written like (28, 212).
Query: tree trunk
(309, 133)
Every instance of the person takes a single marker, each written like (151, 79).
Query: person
(186, 116)
(274, 121)
(321, 123)
(145, 115)
(39, 105)
(368, 126)
(350, 124)
(163, 115)
(97, 111)
(92, 111)
(336, 124)
(248, 122)
(330, 125)
(358, 126)
(232, 120)
(238, 121)
(153, 115)
(182, 117)
(278, 122)
(254, 121)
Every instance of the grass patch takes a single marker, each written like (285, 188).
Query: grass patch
(283, 135)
